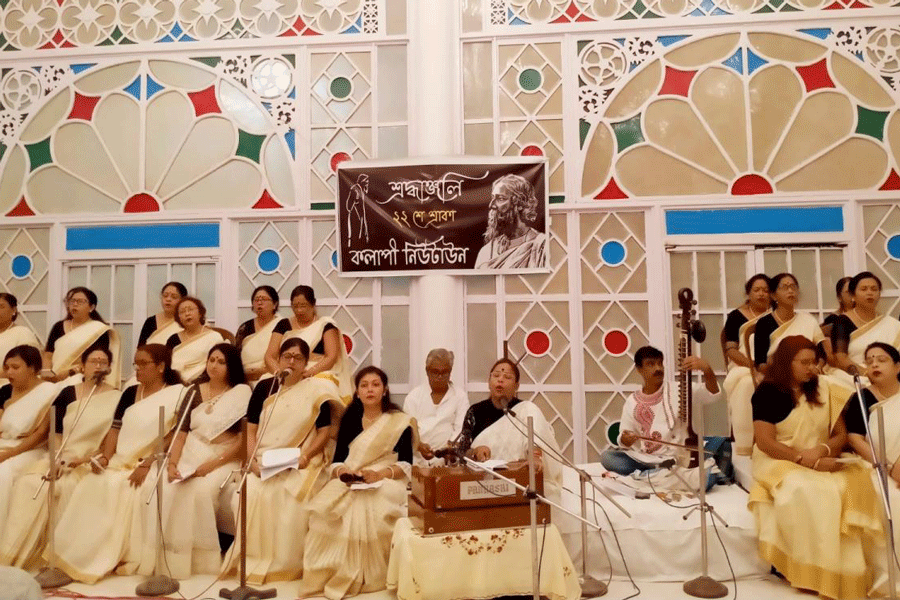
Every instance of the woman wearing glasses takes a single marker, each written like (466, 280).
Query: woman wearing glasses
(101, 526)
(253, 336)
(191, 346)
(84, 414)
(82, 328)
(328, 356)
(294, 414)
(11, 333)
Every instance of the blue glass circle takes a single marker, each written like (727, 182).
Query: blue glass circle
(21, 266)
(893, 246)
(612, 252)
(268, 261)
(334, 258)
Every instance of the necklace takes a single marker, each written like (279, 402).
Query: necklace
(778, 319)
(864, 321)
(366, 421)
(752, 312)
(211, 403)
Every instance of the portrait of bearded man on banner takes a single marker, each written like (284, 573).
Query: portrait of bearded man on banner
(509, 240)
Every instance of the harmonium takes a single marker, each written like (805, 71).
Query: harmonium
(451, 499)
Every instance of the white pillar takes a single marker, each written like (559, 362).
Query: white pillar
(436, 311)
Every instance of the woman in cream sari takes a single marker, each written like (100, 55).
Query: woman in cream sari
(350, 530)
(12, 335)
(328, 355)
(160, 327)
(191, 346)
(883, 393)
(854, 331)
(82, 420)
(253, 336)
(101, 522)
(205, 451)
(24, 421)
(738, 384)
(298, 417)
(815, 519)
(82, 328)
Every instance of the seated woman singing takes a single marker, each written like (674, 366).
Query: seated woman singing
(815, 518)
(191, 346)
(294, 414)
(253, 336)
(350, 530)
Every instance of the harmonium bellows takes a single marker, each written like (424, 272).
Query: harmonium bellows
(451, 499)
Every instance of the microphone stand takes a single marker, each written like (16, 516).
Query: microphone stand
(243, 591)
(879, 459)
(52, 576)
(159, 584)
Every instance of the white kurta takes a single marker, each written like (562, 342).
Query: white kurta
(437, 423)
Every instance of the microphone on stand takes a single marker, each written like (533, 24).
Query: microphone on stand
(284, 374)
(101, 375)
(853, 370)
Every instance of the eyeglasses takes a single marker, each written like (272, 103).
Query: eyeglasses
(292, 357)
(262, 299)
(77, 301)
(439, 374)
(100, 362)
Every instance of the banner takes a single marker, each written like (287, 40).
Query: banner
(472, 216)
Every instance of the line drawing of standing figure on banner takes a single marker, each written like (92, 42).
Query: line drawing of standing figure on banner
(509, 239)
(356, 204)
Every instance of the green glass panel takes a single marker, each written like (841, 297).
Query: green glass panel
(322, 205)
(341, 87)
(39, 153)
(249, 145)
(209, 61)
(628, 133)
(870, 122)
(584, 128)
(530, 79)
(557, 199)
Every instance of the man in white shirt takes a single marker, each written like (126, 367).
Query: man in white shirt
(438, 407)
(652, 412)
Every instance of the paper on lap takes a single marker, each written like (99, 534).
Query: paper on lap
(276, 460)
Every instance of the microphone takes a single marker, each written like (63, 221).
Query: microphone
(507, 410)
(667, 464)
(349, 478)
(854, 371)
(99, 375)
(284, 374)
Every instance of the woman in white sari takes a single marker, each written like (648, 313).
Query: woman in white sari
(206, 449)
(82, 328)
(350, 530)
(190, 347)
(24, 419)
(101, 524)
(82, 419)
(854, 331)
(328, 355)
(12, 335)
(738, 384)
(253, 336)
(816, 517)
(160, 327)
(298, 415)
(883, 393)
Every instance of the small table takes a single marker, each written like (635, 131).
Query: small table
(478, 564)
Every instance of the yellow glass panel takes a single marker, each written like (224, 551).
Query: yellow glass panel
(236, 184)
(855, 164)
(811, 133)
(235, 104)
(118, 123)
(209, 143)
(11, 181)
(858, 82)
(395, 362)
(479, 138)
(872, 217)
(43, 122)
(481, 320)
(392, 83)
(509, 107)
(775, 262)
(52, 190)
(279, 171)
(774, 94)
(396, 17)
(597, 160)
(672, 124)
(109, 78)
(713, 49)
(393, 142)
(637, 282)
(78, 151)
(709, 287)
(169, 116)
(893, 133)
(481, 285)
(632, 96)
(477, 80)
(180, 75)
(786, 48)
(718, 95)
(803, 266)
(735, 269)
(646, 171)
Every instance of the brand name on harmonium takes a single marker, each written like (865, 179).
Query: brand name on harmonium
(437, 252)
(488, 488)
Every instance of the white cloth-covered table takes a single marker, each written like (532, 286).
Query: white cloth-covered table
(477, 564)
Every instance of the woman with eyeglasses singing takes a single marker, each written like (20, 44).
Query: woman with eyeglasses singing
(191, 345)
(83, 420)
(82, 328)
(286, 411)
(253, 336)
(13, 334)
(327, 353)
(102, 527)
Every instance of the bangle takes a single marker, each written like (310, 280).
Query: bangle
(827, 449)
(816, 464)
(799, 459)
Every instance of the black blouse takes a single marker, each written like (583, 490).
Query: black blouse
(842, 327)
(246, 329)
(771, 404)
(351, 426)
(762, 338)
(267, 387)
(147, 330)
(284, 326)
(479, 417)
(733, 324)
(58, 330)
(853, 415)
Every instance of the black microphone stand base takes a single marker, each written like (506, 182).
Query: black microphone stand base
(591, 588)
(52, 578)
(246, 593)
(157, 585)
(705, 587)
